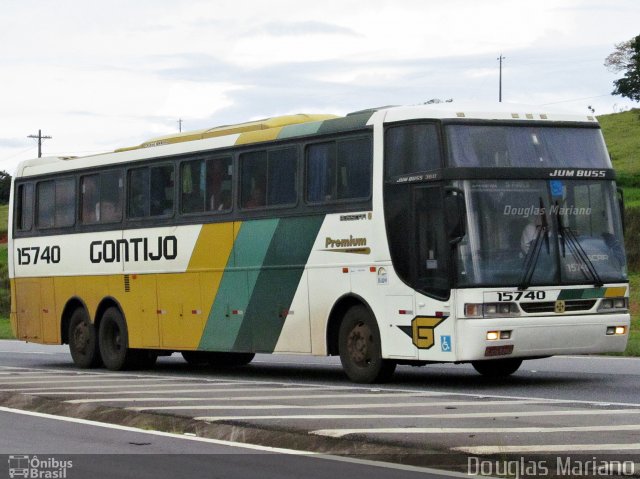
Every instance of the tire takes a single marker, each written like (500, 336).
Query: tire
(83, 340)
(226, 360)
(114, 341)
(497, 368)
(196, 358)
(360, 348)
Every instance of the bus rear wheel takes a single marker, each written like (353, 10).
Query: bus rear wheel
(114, 341)
(83, 340)
(360, 348)
(497, 368)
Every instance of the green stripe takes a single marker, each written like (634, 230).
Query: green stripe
(589, 293)
(278, 282)
(236, 287)
(261, 278)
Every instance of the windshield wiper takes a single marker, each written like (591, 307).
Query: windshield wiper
(576, 249)
(531, 259)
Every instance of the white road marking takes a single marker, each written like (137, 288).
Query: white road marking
(480, 450)
(472, 430)
(254, 447)
(82, 379)
(250, 398)
(349, 406)
(205, 388)
(584, 412)
(83, 389)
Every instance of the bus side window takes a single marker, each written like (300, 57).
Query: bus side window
(90, 199)
(138, 193)
(253, 179)
(192, 186)
(321, 164)
(161, 195)
(65, 202)
(219, 175)
(111, 195)
(281, 177)
(339, 170)
(354, 168)
(24, 208)
(46, 196)
(411, 149)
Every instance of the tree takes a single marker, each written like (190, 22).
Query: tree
(626, 58)
(5, 187)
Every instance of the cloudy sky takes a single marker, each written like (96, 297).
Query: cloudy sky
(101, 75)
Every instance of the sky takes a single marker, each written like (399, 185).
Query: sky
(96, 76)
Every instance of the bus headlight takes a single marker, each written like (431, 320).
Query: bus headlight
(490, 310)
(614, 304)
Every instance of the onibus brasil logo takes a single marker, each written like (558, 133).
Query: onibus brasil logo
(38, 468)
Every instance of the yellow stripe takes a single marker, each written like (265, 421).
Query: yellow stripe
(615, 292)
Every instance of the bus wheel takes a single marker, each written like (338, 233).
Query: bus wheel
(229, 359)
(83, 340)
(360, 350)
(497, 368)
(114, 342)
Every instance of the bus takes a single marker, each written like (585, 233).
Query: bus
(482, 234)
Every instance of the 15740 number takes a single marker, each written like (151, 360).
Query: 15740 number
(518, 295)
(35, 254)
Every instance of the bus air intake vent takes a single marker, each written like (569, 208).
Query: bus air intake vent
(127, 285)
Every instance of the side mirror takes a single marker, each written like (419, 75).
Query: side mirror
(621, 207)
(455, 214)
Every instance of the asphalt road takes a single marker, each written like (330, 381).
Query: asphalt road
(565, 405)
(85, 449)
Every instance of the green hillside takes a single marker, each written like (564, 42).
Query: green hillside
(622, 134)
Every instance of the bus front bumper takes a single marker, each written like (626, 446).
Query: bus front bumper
(541, 336)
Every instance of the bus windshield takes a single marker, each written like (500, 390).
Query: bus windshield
(540, 232)
(530, 146)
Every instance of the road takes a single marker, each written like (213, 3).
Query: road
(89, 449)
(551, 406)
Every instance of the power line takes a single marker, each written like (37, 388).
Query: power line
(39, 137)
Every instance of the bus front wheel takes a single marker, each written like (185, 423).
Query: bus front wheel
(83, 340)
(360, 348)
(497, 368)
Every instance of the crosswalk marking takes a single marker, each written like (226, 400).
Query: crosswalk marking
(474, 430)
(583, 412)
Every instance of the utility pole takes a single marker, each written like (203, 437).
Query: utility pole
(39, 137)
(180, 125)
(500, 58)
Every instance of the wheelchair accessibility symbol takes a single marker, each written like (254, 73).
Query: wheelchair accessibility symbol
(445, 344)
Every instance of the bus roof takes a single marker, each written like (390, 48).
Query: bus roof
(290, 126)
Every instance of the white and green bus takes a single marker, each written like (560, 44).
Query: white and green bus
(398, 235)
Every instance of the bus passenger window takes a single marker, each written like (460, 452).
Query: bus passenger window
(192, 183)
(161, 190)
(151, 191)
(111, 194)
(24, 208)
(46, 191)
(90, 199)
(282, 173)
(253, 177)
(219, 176)
(65, 202)
(321, 163)
(339, 170)
(354, 168)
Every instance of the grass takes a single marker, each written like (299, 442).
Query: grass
(5, 329)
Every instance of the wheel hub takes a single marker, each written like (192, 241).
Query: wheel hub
(359, 344)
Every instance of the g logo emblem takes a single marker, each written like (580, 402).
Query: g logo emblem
(560, 307)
